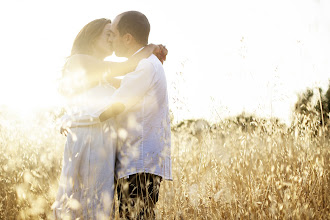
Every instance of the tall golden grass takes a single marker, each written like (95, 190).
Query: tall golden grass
(234, 169)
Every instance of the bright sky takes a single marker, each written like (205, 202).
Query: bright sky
(224, 57)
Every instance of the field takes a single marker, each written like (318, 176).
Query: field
(238, 168)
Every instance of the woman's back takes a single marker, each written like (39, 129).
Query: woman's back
(80, 99)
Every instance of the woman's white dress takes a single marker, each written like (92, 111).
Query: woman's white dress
(86, 187)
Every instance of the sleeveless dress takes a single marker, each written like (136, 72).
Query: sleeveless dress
(86, 187)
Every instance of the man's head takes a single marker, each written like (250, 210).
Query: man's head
(129, 32)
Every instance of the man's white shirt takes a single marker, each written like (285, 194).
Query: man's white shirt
(144, 134)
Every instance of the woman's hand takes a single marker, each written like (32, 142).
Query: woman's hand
(161, 52)
(122, 68)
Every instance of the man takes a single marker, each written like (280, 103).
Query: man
(144, 138)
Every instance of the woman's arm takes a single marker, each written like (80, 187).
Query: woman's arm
(94, 69)
(115, 82)
(122, 68)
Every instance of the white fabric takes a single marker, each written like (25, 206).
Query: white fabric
(144, 133)
(86, 186)
(85, 104)
(82, 109)
(144, 128)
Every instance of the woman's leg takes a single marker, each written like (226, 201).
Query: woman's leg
(102, 162)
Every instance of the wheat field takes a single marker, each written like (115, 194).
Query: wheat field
(237, 168)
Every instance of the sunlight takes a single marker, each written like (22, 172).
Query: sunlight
(246, 134)
(28, 97)
(248, 48)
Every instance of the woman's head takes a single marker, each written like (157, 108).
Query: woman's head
(93, 39)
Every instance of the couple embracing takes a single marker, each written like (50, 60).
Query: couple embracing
(118, 130)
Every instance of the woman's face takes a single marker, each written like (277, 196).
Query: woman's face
(102, 46)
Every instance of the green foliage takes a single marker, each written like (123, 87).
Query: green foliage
(315, 104)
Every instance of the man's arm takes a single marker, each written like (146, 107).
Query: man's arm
(133, 87)
(114, 110)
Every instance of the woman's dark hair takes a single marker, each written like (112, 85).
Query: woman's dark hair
(83, 43)
(136, 24)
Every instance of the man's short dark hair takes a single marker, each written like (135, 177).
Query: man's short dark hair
(136, 24)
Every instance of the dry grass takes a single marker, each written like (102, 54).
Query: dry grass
(232, 170)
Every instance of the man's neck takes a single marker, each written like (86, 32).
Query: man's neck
(132, 50)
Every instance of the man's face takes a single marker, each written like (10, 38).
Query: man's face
(116, 40)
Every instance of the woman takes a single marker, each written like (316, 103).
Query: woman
(87, 180)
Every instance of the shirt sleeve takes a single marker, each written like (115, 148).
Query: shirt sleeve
(134, 86)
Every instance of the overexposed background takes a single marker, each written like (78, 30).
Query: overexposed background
(224, 57)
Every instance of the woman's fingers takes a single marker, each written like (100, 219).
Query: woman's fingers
(161, 52)
(164, 52)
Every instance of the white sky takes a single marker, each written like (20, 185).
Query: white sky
(224, 56)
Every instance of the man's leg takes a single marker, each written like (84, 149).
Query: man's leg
(138, 196)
